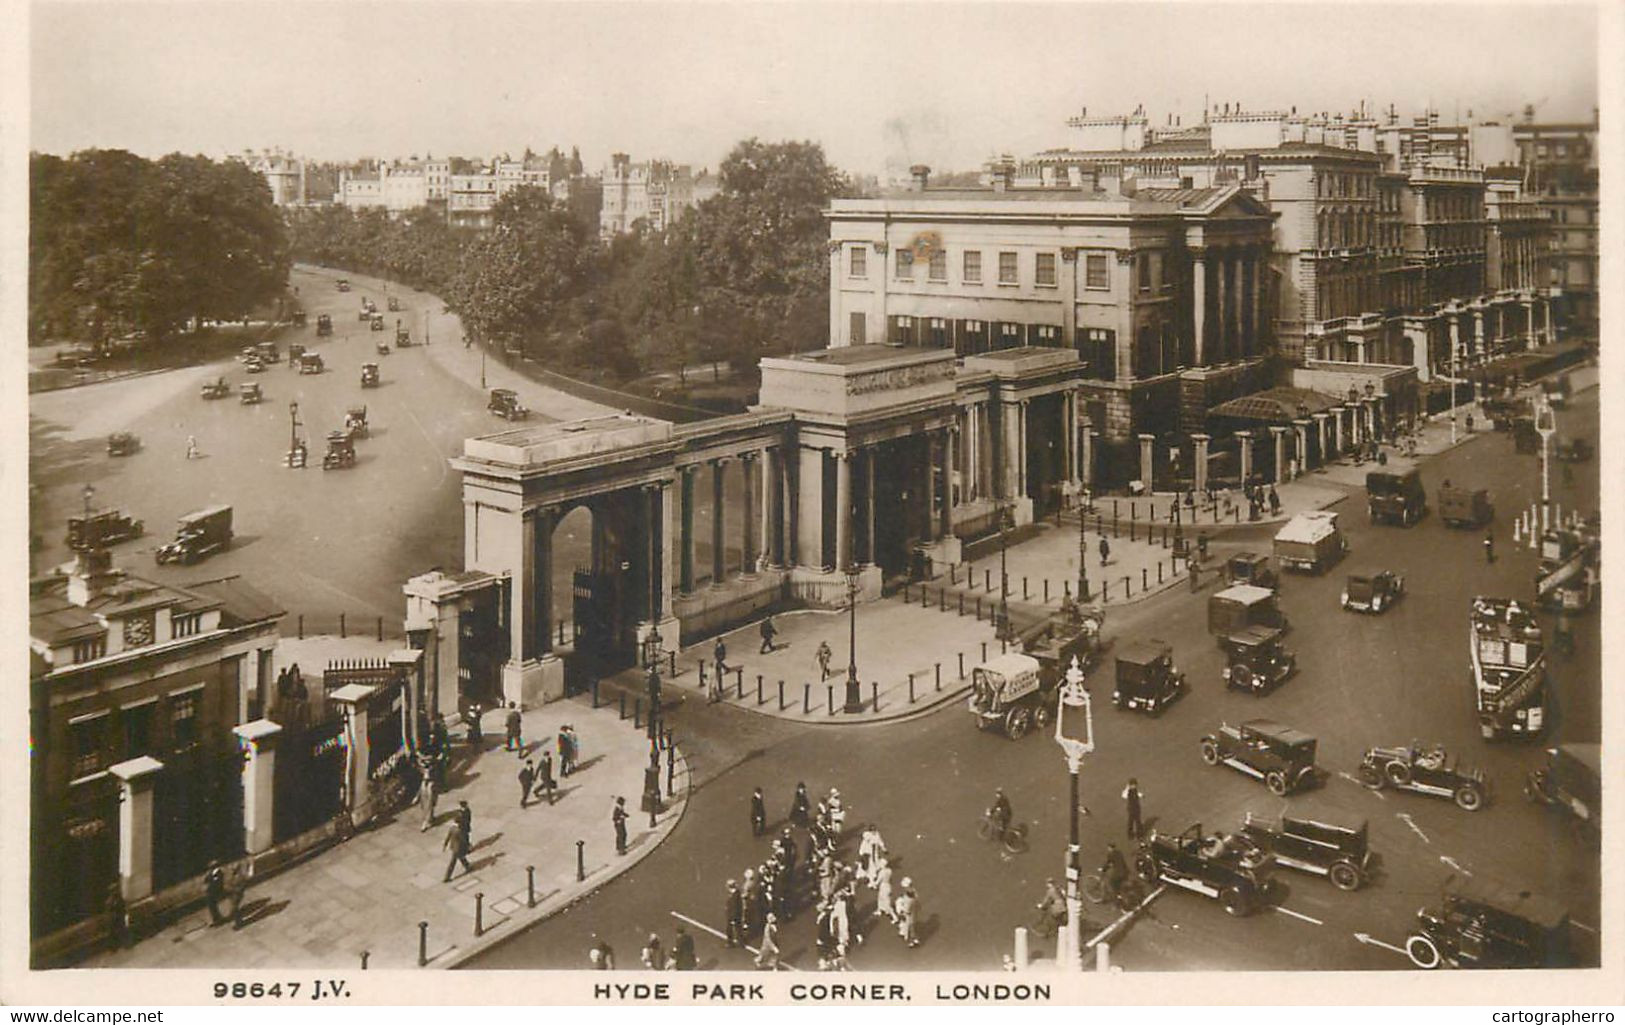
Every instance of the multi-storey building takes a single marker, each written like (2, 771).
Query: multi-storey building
(136, 683)
(470, 198)
(284, 175)
(1561, 159)
(656, 192)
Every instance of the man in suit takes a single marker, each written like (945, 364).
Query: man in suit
(456, 842)
(618, 817)
(1131, 802)
(544, 777)
(734, 912)
(758, 813)
(515, 729)
(527, 779)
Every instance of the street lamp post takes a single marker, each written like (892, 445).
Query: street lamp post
(1545, 426)
(1004, 632)
(854, 692)
(1083, 554)
(89, 492)
(293, 431)
(651, 658)
(1075, 732)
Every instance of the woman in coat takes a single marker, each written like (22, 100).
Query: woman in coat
(883, 877)
(768, 955)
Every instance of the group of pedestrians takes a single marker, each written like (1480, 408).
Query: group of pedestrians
(536, 778)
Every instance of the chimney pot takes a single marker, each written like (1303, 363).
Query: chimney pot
(921, 175)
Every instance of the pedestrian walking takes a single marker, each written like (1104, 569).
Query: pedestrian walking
(800, 806)
(602, 956)
(464, 816)
(1131, 802)
(476, 739)
(428, 792)
(750, 892)
(527, 779)
(218, 888)
(682, 952)
(1275, 502)
(514, 738)
(883, 890)
(826, 877)
(191, 446)
(1105, 550)
(564, 750)
(908, 912)
(767, 956)
(769, 631)
(1489, 546)
(654, 956)
(456, 842)
(1469, 423)
(118, 918)
(734, 914)
(823, 655)
(575, 746)
(758, 813)
(544, 777)
(719, 654)
(618, 817)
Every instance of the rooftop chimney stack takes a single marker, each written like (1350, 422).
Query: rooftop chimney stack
(921, 175)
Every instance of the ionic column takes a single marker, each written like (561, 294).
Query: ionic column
(1199, 303)
(685, 574)
(1478, 334)
(1088, 444)
(764, 510)
(1246, 454)
(1261, 270)
(718, 515)
(946, 527)
(747, 541)
(869, 456)
(1010, 451)
(665, 515)
(1021, 453)
(1300, 438)
(810, 526)
(1201, 442)
(135, 825)
(843, 510)
(931, 486)
(1337, 428)
(1147, 467)
(1280, 452)
(522, 593)
(1320, 438)
(1455, 342)
(656, 550)
(542, 579)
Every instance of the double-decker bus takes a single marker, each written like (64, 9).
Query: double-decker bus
(1509, 668)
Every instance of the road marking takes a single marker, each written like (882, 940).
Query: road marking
(1448, 860)
(1362, 786)
(1367, 938)
(1125, 916)
(1581, 925)
(1405, 817)
(724, 938)
(1299, 914)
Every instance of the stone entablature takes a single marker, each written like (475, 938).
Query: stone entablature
(854, 380)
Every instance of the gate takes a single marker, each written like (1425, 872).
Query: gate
(73, 870)
(308, 778)
(197, 805)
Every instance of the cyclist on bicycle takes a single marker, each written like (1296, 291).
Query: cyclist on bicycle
(999, 814)
(1113, 871)
(1052, 909)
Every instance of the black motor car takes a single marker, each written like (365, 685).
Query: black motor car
(1571, 780)
(324, 325)
(1251, 568)
(343, 284)
(1339, 853)
(1428, 771)
(504, 402)
(123, 443)
(1372, 592)
(1483, 924)
(1147, 679)
(1227, 867)
(1255, 659)
(1284, 758)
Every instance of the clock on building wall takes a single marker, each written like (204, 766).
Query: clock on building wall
(137, 631)
(925, 245)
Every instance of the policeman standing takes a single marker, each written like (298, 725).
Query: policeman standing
(758, 813)
(618, 817)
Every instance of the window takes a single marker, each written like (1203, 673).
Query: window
(1044, 270)
(87, 744)
(183, 719)
(136, 721)
(1097, 272)
(938, 269)
(1007, 269)
(859, 266)
(1098, 349)
(89, 650)
(905, 264)
(973, 267)
(858, 325)
(972, 338)
(1047, 335)
(1009, 335)
(936, 333)
(186, 626)
(1144, 264)
(902, 330)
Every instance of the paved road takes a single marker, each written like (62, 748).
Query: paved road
(1364, 681)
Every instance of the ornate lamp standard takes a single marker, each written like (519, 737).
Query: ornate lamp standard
(1083, 555)
(1545, 426)
(854, 693)
(293, 437)
(651, 658)
(1075, 732)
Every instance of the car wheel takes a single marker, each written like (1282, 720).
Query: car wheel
(1276, 781)
(1398, 773)
(1016, 723)
(1236, 902)
(1041, 717)
(1241, 676)
(1146, 866)
(1371, 777)
(1422, 952)
(1210, 752)
(1344, 876)
(1469, 798)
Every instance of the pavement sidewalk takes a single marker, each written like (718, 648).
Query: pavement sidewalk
(369, 893)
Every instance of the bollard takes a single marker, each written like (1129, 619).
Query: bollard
(961, 665)
(1143, 572)
(1046, 590)
(739, 683)
(301, 626)
(1153, 512)
(758, 688)
(874, 694)
(1114, 510)
(781, 695)
(938, 671)
(1004, 647)
(701, 668)
(806, 699)
(1023, 588)
(561, 633)
(961, 603)
(364, 955)
(829, 698)
(1133, 511)
(622, 713)
(984, 651)
(637, 713)
(479, 914)
(1159, 571)
(978, 608)
(595, 693)
(341, 625)
(987, 580)
(1235, 514)
(1126, 591)
(1131, 527)
(380, 641)
(530, 886)
(911, 688)
(581, 860)
(942, 600)
(423, 944)
(1116, 531)
(671, 769)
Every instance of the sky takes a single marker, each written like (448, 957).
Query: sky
(880, 85)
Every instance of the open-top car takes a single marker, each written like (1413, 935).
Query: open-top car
(1481, 923)
(216, 389)
(1251, 568)
(1428, 770)
(1340, 853)
(1227, 867)
(1255, 659)
(355, 422)
(1147, 679)
(1372, 592)
(369, 375)
(123, 443)
(1284, 758)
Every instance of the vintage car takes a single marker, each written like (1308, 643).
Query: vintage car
(403, 337)
(324, 325)
(1240, 606)
(294, 352)
(369, 375)
(268, 353)
(1425, 771)
(1575, 450)
(1251, 568)
(1571, 780)
(1373, 592)
(1502, 411)
(1009, 694)
(248, 393)
(1284, 758)
(343, 284)
(311, 363)
(1464, 507)
(300, 319)
(1072, 632)
(505, 403)
(1310, 541)
(254, 364)
(340, 451)
(377, 321)
(394, 303)
(1337, 852)
(355, 422)
(100, 529)
(1256, 660)
(1147, 679)
(123, 443)
(216, 389)
(197, 534)
(1227, 867)
(365, 314)
(1485, 924)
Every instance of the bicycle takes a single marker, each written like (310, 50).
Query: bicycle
(1012, 837)
(1127, 896)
